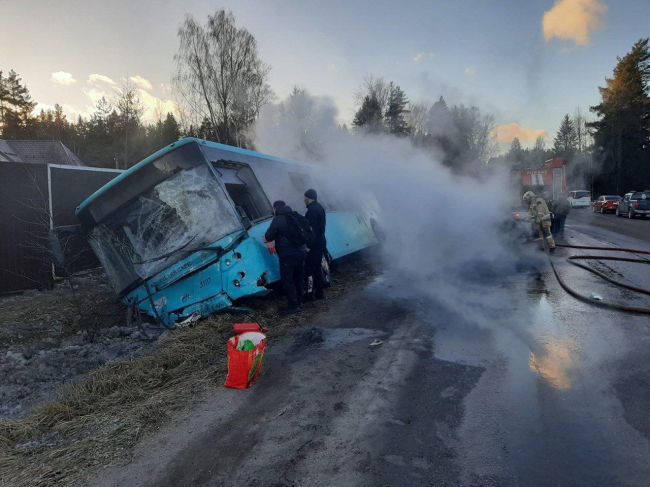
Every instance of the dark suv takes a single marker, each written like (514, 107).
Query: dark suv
(634, 204)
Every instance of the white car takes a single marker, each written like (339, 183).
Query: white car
(580, 198)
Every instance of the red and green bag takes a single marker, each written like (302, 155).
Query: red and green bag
(245, 355)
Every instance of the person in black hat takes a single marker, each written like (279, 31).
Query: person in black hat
(317, 219)
(291, 255)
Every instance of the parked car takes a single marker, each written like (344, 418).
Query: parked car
(636, 203)
(606, 203)
(580, 198)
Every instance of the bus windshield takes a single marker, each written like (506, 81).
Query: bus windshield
(159, 226)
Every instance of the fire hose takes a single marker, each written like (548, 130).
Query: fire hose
(599, 303)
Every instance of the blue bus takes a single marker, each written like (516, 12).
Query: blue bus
(181, 233)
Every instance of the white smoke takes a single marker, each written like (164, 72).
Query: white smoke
(442, 229)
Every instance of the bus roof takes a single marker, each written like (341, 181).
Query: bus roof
(156, 155)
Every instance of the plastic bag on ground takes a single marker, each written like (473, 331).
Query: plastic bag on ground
(245, 364)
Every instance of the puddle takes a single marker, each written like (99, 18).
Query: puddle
(344, 336)
(544, 411)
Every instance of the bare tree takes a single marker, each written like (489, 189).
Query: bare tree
(472, 136)
(376, 88)
(540, 144)
(220, 77)
(417, 119)
(583, 137)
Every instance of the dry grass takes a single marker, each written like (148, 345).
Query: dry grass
(98, 421)
(29, 317)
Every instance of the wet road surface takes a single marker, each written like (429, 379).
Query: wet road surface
(591, 223)
(506, 381)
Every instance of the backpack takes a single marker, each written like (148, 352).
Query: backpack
(299, 229)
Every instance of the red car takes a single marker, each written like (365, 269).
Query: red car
(606, 203)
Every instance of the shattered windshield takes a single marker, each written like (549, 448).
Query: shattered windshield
(159, 226)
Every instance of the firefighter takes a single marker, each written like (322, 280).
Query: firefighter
(540, 217)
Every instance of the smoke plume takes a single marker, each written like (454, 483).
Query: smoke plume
(441, 228)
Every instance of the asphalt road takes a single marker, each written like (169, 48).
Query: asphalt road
(590, 223)
(503, 380)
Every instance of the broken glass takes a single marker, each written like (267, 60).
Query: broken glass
(189, 210)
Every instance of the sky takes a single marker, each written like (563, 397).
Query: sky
(526, 62)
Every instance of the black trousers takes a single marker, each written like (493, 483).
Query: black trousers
(560, 220)
(313, 269)
(292, 274)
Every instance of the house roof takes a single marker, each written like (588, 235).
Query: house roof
(37, 152)
(7, 153)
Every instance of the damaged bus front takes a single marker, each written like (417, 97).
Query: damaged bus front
(181, 233)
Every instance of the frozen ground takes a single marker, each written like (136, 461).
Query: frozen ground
(45, 342)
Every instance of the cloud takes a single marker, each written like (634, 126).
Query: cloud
(421, 56)
(140, 82)
(100, 78)
(155, 108)
(42, 106)
(63, 78)
(470, 71)
(94, 95)
(507, 132)
(573, 20)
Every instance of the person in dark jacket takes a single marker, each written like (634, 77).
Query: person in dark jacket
(317, 219)
(561, 209)
(291, 255)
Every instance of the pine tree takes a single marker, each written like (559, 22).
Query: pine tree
(4, 102)
(516, 152)
(369, 116)
(396, 111)
(170, 130)
(436, 128)
(130, 111)
(566, 140)
(439, 118)
(623, 129)
(16, 107)
(206, 130)
(101, 136)
(538, 153)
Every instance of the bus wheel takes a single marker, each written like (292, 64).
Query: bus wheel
(325, 269)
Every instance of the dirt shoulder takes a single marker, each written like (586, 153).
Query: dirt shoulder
(98, 419)
(354, 397)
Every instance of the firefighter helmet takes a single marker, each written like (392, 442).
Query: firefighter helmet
(528, 196)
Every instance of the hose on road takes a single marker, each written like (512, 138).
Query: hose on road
(587, 299)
